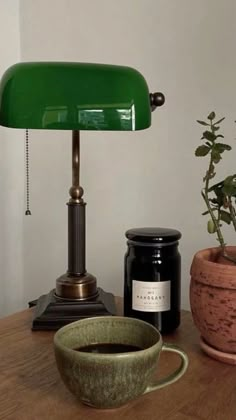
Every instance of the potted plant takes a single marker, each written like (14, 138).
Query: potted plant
(213, 270)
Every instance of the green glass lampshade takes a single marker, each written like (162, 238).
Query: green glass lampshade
(74, 96)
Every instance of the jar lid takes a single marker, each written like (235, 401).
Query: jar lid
(153, 235)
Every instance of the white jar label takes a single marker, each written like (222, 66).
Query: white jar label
(151, 296)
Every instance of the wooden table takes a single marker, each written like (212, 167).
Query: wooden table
(30, 386)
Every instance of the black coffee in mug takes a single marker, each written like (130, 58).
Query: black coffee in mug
(108, 348)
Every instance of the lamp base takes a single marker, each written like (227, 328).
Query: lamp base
(51, 313)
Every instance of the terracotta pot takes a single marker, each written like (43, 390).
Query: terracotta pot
(213, 300)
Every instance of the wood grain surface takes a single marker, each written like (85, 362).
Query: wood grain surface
(30, 386)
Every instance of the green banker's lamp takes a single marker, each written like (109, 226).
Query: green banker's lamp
(75, 96)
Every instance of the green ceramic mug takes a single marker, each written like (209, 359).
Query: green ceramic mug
(111, 380)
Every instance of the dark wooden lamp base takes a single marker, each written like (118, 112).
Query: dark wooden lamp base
(52, 313)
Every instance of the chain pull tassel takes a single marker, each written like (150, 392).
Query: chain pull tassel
(27, 212)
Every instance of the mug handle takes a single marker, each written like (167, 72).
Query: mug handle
(173, 377)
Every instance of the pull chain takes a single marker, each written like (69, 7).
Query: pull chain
(27, 212)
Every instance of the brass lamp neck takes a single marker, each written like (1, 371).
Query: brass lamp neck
(76, 191)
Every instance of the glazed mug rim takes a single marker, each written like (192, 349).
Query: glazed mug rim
(157, 345)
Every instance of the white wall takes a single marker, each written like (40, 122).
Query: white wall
(11, 176)
(184, 48)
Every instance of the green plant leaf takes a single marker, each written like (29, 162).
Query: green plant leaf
(202, 150)
(221, 147)
(217, 159)
(220, 135)
(220, 196)
(230, 180)
(214, 201)
(229, 187)
(211, 116)
(202, 122)
(211, 226)
(219, 121)
(208, 135)
(225, 217)
(217, 186)
(215, 156)
(218, 192)
(214, 128)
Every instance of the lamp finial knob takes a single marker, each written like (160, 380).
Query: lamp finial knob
(156, 99)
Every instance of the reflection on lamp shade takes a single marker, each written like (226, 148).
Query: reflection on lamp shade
(74, 96)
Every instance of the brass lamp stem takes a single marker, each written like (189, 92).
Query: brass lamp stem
(75, 157)
(76, 283)
(76, 191)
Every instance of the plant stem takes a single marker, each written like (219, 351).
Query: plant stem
(232, 213)
(217, 228)
(233, 217)
(206, 199)
(227, 257)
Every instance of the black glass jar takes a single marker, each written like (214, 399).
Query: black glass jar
(152, 283)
